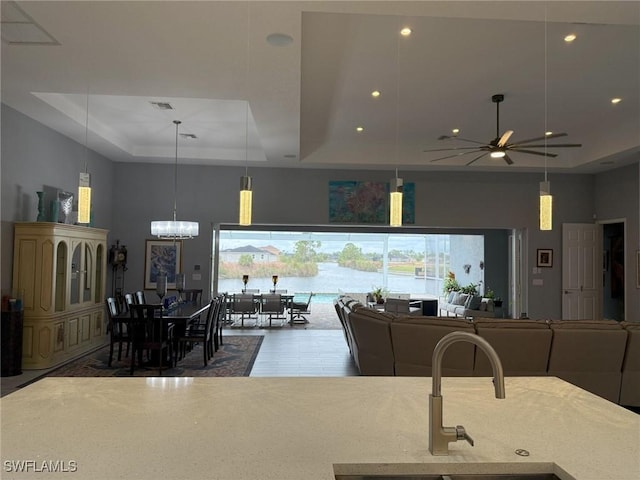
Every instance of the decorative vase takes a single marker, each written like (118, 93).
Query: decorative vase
(245, 280)
(161, 285)
(55, 211)
(274, 279)
(41, 216)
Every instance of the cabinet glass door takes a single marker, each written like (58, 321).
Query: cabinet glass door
(76, 274)
(87, 273)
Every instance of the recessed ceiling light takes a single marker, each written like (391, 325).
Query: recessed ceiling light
(279, 39)
(405, 32)
(375, 94)
(570, 38)
(548, 133)
(455, 131)
(359, 129)
(616, 100)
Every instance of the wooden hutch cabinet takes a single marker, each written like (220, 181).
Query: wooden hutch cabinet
(60, 271)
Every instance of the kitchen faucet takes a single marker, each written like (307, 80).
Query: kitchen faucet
(439, 436)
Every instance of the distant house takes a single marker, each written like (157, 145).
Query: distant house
(259, 255)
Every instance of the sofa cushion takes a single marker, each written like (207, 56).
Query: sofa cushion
(451, 296)
(486, 305)
(460, 299)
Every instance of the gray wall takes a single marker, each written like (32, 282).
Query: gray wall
(128, 196)
(34, 156)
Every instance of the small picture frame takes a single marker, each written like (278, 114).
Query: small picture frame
(545, 257)
(162, 256)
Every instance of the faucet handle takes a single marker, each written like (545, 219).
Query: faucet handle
(461, 434)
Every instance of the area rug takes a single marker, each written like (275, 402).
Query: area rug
(234, 359)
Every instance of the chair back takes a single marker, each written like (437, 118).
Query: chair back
(129, 300)
(304, 304)
(396, 305)
(272, 303)
(252, 290)
(146, 323)
(140, 299)
(192, 295)
(112, 307)
(244, 303)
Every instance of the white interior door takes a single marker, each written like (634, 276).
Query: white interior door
(580, 274)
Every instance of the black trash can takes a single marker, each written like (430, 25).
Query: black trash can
(11, 338)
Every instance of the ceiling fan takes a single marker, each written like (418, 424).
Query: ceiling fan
(500, 146)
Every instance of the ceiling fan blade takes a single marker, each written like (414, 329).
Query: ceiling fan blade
(477, 158)
(448, 137)
(455, 155)
(529, 140)
(507, 159)
(533, 152)
(555, 145)
(505, 138)
(450, 149)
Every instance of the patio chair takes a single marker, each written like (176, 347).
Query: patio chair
(401, 306)
(299, 309)
(271, 304)
(244, 304)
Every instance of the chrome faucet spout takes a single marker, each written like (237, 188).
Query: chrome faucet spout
(439, 436)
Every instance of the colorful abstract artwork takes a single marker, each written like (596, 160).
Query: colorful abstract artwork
(359, 202)
(162, 256)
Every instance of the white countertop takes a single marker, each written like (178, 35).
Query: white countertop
(297, 428)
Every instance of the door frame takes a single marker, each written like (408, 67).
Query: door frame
(623, 221)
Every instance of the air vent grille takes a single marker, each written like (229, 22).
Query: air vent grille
(161, 105)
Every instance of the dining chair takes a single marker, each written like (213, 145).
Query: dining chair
(200, 333)
(271, 304)
(219, 321)
(192, 295)
(118, 329)
(140, 298)
(151, 333)
(300, 308)
(129, 299)
(244, 304)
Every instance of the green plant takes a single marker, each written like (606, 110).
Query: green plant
(489, 294)
(471, 289)
(379, 293)
(450, 283)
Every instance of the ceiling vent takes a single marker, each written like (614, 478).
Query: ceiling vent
(161, 105)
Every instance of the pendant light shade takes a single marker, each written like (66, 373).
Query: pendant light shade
(246, 200)
(84, 198)
(546, 206)
(395, 202)
(174, 229)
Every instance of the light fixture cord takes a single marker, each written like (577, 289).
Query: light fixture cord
(86, 136)
(175, 176)
(545, 93)
(246, 113)
(397, 96)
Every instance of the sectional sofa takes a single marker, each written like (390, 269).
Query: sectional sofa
(465, 305)
(601, 356)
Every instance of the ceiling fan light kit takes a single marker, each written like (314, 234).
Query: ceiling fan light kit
(500, 147)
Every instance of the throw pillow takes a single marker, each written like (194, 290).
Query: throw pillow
(483, 305)
(474, 302)
(460, 299)
(451, 296)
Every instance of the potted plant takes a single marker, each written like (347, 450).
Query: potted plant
(497, 301)
(378, 294)
(450, 283)
(471, 289)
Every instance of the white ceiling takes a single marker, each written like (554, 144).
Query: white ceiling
(252, 103)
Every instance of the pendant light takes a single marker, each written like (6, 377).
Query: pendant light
(395, 186)
(546, 199)
(84, 184)
(246, 194)
(174, 229)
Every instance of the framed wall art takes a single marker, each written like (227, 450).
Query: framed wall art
(162, 256)
(545, 257)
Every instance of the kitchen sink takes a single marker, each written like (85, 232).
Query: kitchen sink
(449, 471)
(454, 476)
